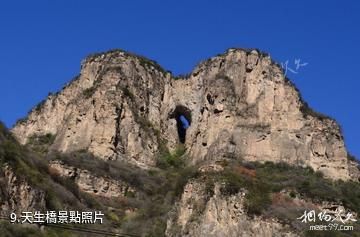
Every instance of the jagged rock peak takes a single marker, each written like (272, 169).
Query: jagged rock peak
(118, 55)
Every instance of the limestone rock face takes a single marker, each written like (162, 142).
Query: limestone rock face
(17, 195)
(246, 108)
(240, 106)
(197, 214)
(105, 110)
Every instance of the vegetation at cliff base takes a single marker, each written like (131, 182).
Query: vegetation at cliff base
(271, 189)
(41, 143)
(156, 189)
(268, 178)
(175, 159)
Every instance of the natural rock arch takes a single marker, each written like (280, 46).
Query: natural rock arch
(182, 115)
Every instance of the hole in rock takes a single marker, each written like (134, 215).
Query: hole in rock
(210, 99)
(217, 111)
(182, 115)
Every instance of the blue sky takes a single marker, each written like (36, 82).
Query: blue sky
(43, 42)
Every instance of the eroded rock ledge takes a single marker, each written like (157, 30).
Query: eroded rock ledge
(87, 182)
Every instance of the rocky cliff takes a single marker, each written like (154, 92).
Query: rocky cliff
(198, 214)
(230, 149)
(18, 194)
(239, 105)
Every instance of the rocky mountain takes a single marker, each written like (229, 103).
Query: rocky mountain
(239, 104)
(230, 149)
